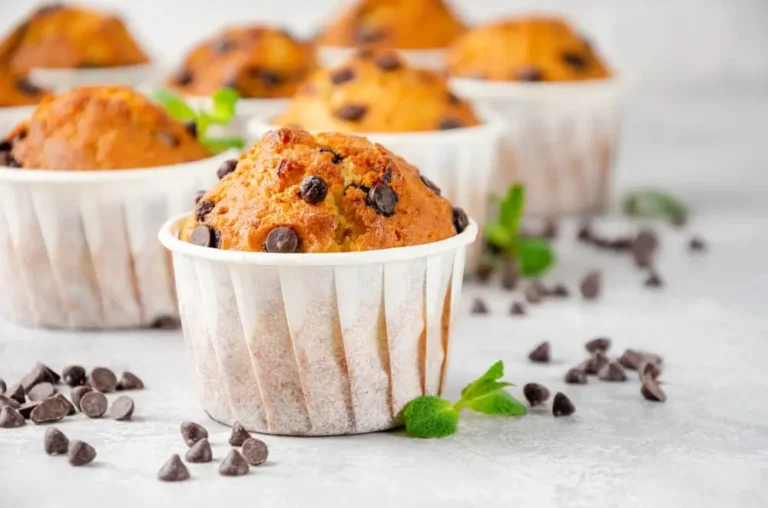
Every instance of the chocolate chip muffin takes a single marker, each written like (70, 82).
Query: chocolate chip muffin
(402, 24)
(332, 192)
(17, 90)
(259, 62)
(63, 37)
(377, 92)
(525, 49)
(99, 128)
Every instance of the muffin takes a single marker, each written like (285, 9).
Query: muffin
(258, 62)
(526, 49)
(377, 92)
(87, 181)
(17, 90)
(317, 282)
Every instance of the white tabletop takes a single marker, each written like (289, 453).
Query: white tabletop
(707, 446)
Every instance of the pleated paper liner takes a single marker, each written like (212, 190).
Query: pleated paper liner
(434, 59)
(61, 80)
(79, 249)
(317, 344)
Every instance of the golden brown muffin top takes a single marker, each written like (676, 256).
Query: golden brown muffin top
(17, 90)
(298, 192)
(100, 128)
(65, 37)
(376, 92)
(257, 61)
(402, 24)
(525, 49)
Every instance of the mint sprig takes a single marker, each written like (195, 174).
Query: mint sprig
(655, 204)
(222, 111)
(434, 417)
(534, 255)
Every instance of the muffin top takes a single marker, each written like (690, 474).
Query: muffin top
(525, 49)
(59, 36)
(403, 24)
(298, 192)
(99, 128)
(376, 92)
(258, 62)
(17, 90)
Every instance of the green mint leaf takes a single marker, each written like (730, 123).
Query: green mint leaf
(174, 105)
(655, 204)
(511, 209)
(498, 402)
(430, 417)
(224, 105)
(534, 256)
(218, 145)
(495, 372)
(499, 236)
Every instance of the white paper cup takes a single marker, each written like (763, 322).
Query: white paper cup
(561, 139)
(434, 59)
(10, 117)
(79, 250)
(317, 344)
(61, 80)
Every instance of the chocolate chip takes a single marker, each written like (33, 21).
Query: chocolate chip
(3, 387)
(460, 219)
(314, 189)
(653, 280)
(35, 376)
(51, 375)
(16, 392)
(93, 404)
(102, 379)
(51, 409)
(221, 46)
(203, 236)
(575, 60)
(5, 145)
(198, 196)
(449, 122)
(203, 208)
(74, 375)
(268, 77)
(173, 470)
(122, 408)
(25, 86)
(585, 233)
(80, 453)
(238, 435)
(168, 139)
(529, 73)
(26, 409)
(129, 381)
(533, 293)
(596, 363)
(170, 322)
(7, 160)
(10, 418)
(341, 76)
(383, 199)
(612, 372)
(651, 390)
(41, 391)
(517, 309)
(535, 393)
(387, 62)
(7, 401)
(484, 271)
(601, 344)
(336, 157)
(282, 240)
(184, 78)
(560, 291)
(193, 432)
(200, 452)
(540, 354)
(367, 35)
(255, 451)
(620, 244)
(234, 465)
(55, 442)
(191, 127)
(226, 167)
(591, 285)
(576, 376)
(651, 369)
(643, 247)
(562, 405)
(696, 244)
(352, 112)
(431, 185)
(70, 407)
(77, 395)
(479, 307)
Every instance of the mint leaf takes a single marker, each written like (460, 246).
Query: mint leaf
(430, 417)
(534, 256)
(511, 209)
(224, 104)
(499, 236)
(477, 386)
(175, 105)
(655, 204)
(218, 145)
(498, 402)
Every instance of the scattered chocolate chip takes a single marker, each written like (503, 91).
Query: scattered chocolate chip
(533, 293)
(540, 354)
(55, 442)
(449, 122)
(431, 185)
(35, 376)
(383, 199)
(10, 418)
(644, 246)
(560, 291)
(200, 452)
(535, 393)
(193, 432)
(651, 369)
(314, 189)
(631, 359)
(613, 372)
(25, 86)
(696, 244)
(74, 375)
(41, 391)
(595, 363)
(78, 393)
(479, 306)
(460, 219)
(221, 46)
(255, 451)
(191, 127)
(601, 344)
(620, 244)
(387, 62)
(226, 168)
(80, 453)
(93, 404)
(651, 390)
(238, 435)
(7, 401)
(575, 60)
(529, 73)
(562, 405)
(282, 240)
(3, 387)
(653, 280)
(129, 381)
(234, 464)
(51, 409)
(517, 309)
(102, 379)
(70, 407)
(576, 376)
(184, 78)
(16, 392)
(26, 409)
(585, 233)
(203, 208)
(122, 408)
(169, 322)
(591, 285)
(341, 76)
(203, 236)
(336, 157)
(510, 275)
(484, 271)
(352, 112)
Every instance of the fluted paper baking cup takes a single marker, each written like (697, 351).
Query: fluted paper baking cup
(561, 139)
(331, 56)
(61, 80)
(79, 249)
(317, 344)
(10, 117)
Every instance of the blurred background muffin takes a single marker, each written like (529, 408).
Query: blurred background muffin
(17, 90)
